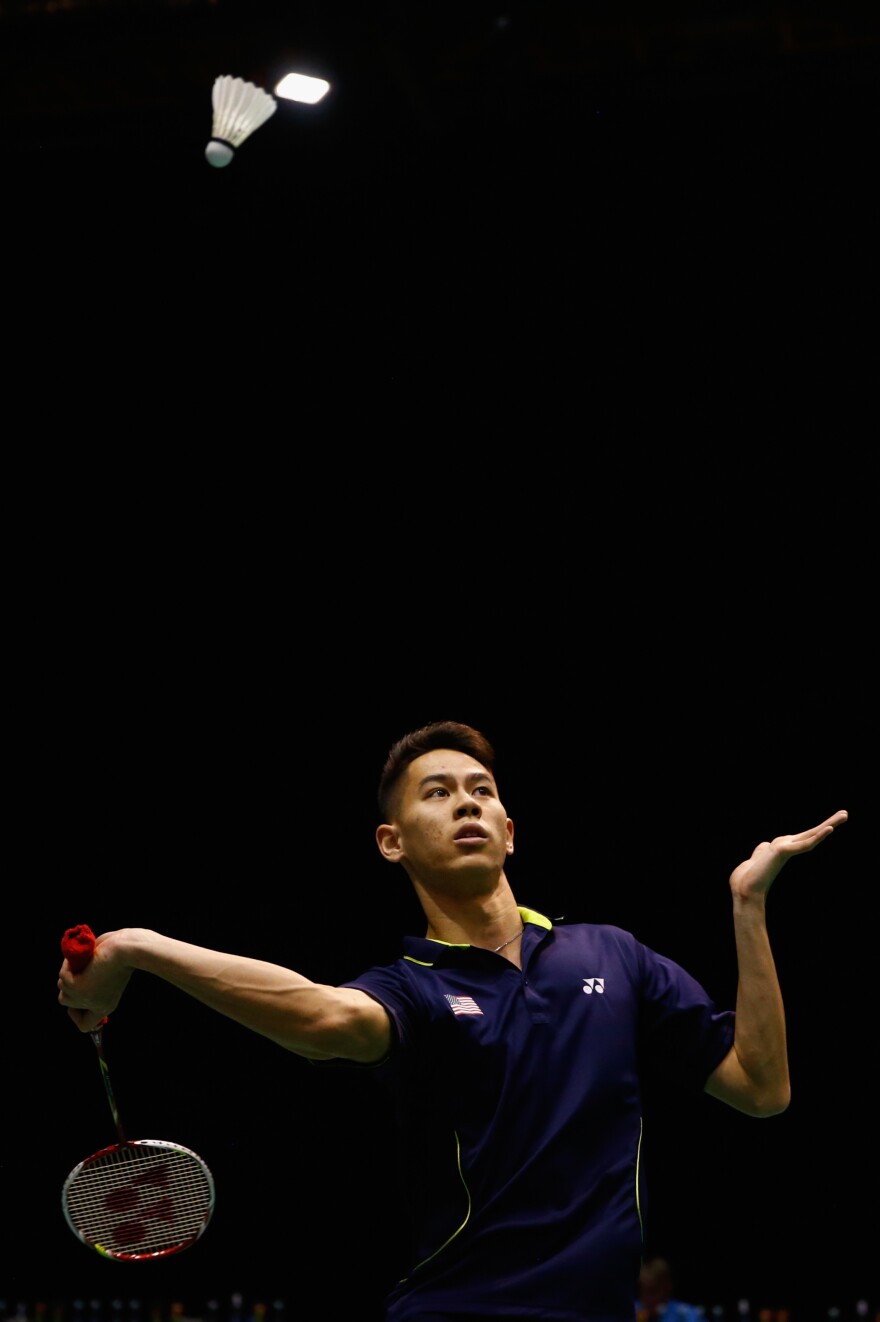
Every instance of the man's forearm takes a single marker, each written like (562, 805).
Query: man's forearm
(760, 1037)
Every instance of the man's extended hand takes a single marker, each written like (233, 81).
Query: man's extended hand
(756, 875)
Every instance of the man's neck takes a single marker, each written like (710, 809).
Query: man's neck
(483, 919)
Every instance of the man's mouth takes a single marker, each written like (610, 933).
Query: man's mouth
(472, 833)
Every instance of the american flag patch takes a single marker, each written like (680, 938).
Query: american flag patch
(463, 1004)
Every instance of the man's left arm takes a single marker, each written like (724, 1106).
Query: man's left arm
(753, 1077)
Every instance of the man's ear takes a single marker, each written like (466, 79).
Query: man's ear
(389, 846)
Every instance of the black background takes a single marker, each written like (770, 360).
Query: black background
(576, 447)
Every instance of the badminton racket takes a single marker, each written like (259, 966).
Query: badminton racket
(137, 1199)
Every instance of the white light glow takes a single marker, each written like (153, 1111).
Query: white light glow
(300, 87)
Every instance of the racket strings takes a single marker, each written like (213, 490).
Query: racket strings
(144, 1198)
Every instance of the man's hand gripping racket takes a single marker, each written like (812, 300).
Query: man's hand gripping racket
(141, 1198)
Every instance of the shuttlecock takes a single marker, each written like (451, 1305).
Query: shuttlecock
(239, 109)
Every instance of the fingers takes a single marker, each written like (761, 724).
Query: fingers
(829, 823)
(807, 840)
(825, 828)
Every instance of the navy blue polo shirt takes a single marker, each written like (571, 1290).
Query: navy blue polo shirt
(518, 1098)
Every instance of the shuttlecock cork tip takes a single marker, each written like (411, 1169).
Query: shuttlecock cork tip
(218, 153)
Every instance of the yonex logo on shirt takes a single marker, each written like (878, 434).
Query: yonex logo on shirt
(593, 985)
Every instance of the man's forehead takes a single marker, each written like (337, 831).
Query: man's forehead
(446, 762)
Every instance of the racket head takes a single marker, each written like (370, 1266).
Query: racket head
(139, 1200)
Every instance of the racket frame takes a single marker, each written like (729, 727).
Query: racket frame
(138, 1255)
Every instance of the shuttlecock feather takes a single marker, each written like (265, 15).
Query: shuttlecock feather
(239, 108)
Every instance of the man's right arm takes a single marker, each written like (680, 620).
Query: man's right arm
(311, 1019)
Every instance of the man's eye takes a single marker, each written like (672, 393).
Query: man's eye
(483, 789)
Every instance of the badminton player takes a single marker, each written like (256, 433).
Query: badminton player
(512, 1046)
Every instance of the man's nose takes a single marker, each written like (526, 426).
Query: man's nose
(468, 806)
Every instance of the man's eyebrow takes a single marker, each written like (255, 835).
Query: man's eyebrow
(444, 777)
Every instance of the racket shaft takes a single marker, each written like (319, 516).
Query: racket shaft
(97, 1037)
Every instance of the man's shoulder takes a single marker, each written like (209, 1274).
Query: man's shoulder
(606, 934)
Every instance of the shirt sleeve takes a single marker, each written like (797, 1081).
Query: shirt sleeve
(388, 986)
(683, 1031)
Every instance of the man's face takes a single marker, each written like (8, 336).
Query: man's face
(449, 824)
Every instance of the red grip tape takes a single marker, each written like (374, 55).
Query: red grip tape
(78, 946)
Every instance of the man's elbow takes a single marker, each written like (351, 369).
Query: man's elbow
(764, 1112)
(752, 1096)
(764, 1105)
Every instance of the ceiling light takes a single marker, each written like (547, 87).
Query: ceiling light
(300, 87)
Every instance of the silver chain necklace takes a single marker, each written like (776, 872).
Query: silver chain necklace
(508, 941)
